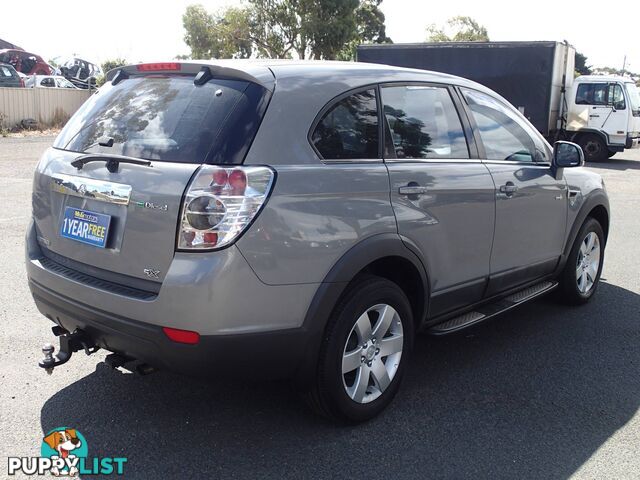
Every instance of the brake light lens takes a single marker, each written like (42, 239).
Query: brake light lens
(220, 203)
(158, 67)
(181, 336)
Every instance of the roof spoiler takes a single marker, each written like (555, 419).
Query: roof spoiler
(203, 72)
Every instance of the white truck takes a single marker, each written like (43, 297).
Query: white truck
(603, 115)
(600, 113)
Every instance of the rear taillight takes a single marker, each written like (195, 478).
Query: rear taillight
(220, 204)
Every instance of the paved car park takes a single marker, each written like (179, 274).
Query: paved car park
(544, 391)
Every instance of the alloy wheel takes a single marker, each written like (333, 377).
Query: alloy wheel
(372, 353)
(588, 262)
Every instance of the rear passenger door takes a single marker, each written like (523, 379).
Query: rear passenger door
(531, 204)
(442, 194)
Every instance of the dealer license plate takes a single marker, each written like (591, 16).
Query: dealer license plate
(85, 226)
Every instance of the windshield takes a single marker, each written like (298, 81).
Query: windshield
(160, 117)
(64, 83)
(634, 96)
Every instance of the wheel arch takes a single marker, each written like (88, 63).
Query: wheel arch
(590, 131)
(595, 205)
(384, 255)
(600, 213)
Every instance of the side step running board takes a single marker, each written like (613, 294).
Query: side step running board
(491, 309)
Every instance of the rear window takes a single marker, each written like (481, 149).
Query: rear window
(349, 129)
(168, 118)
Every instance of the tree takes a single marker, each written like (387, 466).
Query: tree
(310, 28)
(113, 63)
(370, 28)
(465, 29)
(581, 65)
(225, 35)
(370, 22)
(318, 29)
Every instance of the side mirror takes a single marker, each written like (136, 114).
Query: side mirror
(567, 154)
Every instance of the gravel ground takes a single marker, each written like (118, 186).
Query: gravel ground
(544, 391)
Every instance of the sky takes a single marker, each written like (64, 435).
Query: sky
(145, 30)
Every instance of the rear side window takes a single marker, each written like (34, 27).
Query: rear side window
(6, 72)
(349, 129)
(592, 94)
(168, 118)
(423, 122)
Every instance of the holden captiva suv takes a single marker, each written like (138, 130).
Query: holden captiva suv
(301, 220)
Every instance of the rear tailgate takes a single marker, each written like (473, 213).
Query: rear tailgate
(123, 221)
(142, 204)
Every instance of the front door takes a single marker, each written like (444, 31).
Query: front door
(615, 124)
(531, 205)
(607, 109)
(443, 200)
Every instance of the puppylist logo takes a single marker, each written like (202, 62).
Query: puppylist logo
(64, 452)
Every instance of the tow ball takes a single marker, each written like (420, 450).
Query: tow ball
(69, 343)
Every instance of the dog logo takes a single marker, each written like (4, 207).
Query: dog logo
(67, 444)
(64, 453)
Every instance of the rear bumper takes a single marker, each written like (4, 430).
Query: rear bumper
(245, 326)
(264, 355)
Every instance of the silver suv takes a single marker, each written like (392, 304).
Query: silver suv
(303, 220)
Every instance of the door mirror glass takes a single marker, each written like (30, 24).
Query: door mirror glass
(567, 154)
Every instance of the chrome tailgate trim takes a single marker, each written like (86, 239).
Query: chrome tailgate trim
(84, 187)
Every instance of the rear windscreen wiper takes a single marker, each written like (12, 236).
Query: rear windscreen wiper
(113, 161)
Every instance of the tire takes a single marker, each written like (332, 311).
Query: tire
(594, 148)
(581, 275)
(370, 302)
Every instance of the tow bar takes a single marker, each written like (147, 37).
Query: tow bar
(69, 343)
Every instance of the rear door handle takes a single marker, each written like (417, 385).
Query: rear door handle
(508, 189)
(412, 190)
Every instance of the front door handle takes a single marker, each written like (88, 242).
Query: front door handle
(412, 189)
(508, 189)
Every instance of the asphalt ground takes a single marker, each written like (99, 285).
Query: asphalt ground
(543, 392)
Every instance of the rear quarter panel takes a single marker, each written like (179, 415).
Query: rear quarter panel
(317, 210)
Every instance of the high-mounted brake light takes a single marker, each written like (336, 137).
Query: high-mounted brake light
(181, 336)
(158, 67)
(220, 204)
